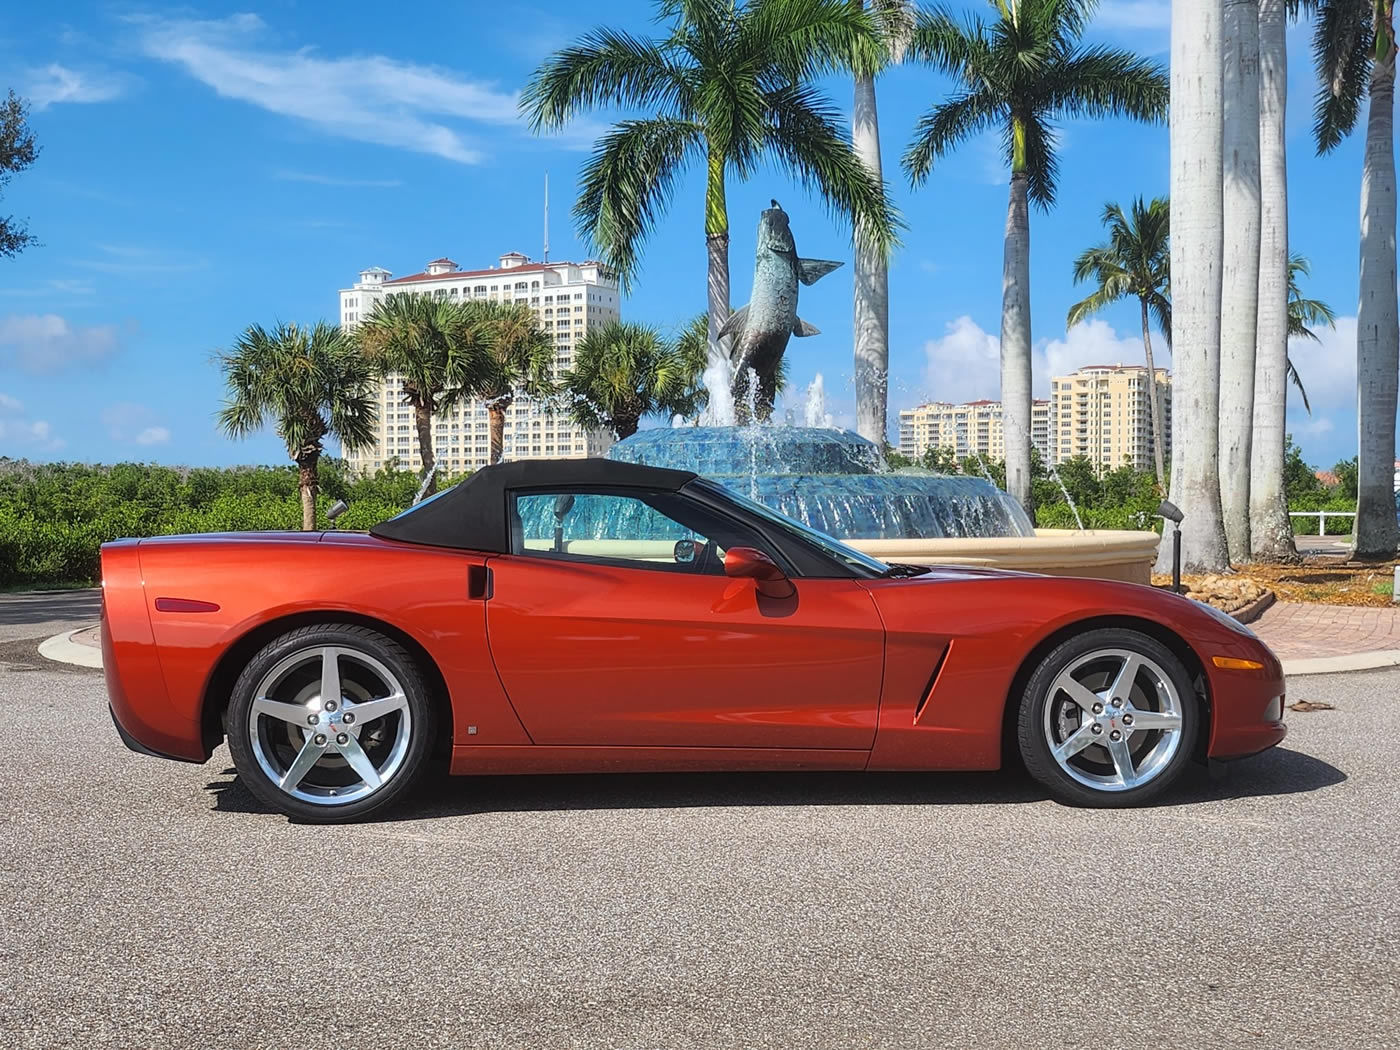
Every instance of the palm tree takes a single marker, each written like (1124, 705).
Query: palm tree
(310, 383)
(516, 358)
(1239, 307)
(1197, 196)
(1019, 74)
(1303, 314)
(1136, 262)
(431, 344)
(729, 85)
(1354, 45)
(1270, 531)
(894, 19)
(625, 371)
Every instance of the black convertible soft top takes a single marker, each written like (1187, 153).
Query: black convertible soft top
(474, 514)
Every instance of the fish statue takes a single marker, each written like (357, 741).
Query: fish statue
(759, 331)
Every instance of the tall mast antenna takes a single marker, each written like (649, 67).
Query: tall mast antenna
(546, 216)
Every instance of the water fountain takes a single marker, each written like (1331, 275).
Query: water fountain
(837, 481)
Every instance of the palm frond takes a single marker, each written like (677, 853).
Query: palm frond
(947, 126)
(1297, 381)
(1095, 302)
(806, 136)
(1105, 82)
(803, 39)
(1042, 163)
(627, 184)
(606, 68)
(1342, 54)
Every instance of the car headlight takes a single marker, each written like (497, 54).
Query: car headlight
(1227, 619)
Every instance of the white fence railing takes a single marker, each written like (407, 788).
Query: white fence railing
(1322, 516)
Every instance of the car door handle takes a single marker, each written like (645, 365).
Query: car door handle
(480, 582)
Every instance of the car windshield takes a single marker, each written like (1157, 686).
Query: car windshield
(848, 556)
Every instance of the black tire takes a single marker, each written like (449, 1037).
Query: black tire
(1087, 777)
(265, 745)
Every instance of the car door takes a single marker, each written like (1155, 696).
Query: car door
(611, 623)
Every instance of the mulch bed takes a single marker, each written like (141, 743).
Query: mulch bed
(1322, 581)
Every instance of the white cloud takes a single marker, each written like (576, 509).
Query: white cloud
(368, 98)
(55, 83)
(138, 259)
(45, 343)
(965, 363)
(15, 428)
(128, 421)
(1328, 371)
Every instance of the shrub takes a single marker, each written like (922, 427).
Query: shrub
(54, 517)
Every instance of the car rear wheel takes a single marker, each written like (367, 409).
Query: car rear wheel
(330, 723)
(1108, 718)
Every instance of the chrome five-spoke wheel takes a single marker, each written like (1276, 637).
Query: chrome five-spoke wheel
(1108, 718)
(326, 722)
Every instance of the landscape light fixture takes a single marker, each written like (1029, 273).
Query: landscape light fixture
(1172, 513)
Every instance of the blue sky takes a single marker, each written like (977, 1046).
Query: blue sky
(206, 167)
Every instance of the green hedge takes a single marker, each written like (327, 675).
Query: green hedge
(53, 517)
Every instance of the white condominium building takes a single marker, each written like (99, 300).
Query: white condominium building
(569, 299)
(973, 428)
(1104, 412)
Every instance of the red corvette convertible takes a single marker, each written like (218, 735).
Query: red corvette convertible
(578, 615)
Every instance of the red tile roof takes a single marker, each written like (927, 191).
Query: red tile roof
(491, 272)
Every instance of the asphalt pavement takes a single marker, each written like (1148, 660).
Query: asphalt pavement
(154, 904)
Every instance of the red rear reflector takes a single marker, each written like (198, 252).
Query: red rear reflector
(186, 605)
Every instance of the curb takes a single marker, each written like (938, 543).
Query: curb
(1255, 609)
(1376, 658)
(62, 649)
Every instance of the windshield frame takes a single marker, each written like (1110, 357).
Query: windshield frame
(853, 561)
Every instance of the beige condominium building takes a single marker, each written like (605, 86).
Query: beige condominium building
(569, 299)
(1101, 412)
(973, 428)
(1104, 412)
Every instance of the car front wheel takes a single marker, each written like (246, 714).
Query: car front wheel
(1108, 718)
(330, 723)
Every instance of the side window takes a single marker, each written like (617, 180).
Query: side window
(647, 530)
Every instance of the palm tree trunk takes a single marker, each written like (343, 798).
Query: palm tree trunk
(1154, 400)
(719, 373)
(308, 481)
(1270, 533)
(1197, 189)
(872, 285)
(1239, 308)
(496, 428)
(423, 418)
(1377, 328)
(1016, 343)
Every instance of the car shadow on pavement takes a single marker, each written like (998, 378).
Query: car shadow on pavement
(1277, 772)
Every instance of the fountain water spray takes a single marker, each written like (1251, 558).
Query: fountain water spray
(1068, 498)
(816, 414)
(427, 480)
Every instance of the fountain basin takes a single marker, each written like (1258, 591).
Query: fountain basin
(1098, 553)
(837, 482)
(833, 480)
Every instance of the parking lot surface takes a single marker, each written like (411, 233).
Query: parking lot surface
(154, 904)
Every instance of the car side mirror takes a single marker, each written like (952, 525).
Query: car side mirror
(749, 563)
